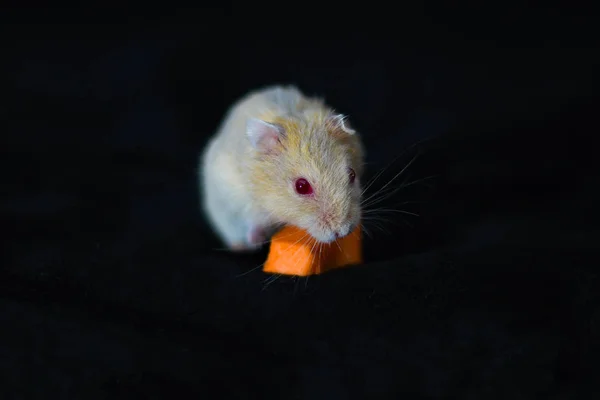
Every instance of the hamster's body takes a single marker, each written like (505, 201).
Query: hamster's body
(244, 169)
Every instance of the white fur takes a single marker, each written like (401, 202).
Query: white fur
(224, 197)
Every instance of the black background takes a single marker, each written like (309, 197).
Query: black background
(113, 287)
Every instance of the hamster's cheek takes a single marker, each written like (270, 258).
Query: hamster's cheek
(301, 221)
(355, 213)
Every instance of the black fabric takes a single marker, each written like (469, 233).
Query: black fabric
(113, 287)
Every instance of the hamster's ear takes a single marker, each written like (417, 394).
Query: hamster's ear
(340, 121)
(263, 136)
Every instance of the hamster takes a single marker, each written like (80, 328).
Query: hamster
(281, 158)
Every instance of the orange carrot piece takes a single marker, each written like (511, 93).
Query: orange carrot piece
(294, 252)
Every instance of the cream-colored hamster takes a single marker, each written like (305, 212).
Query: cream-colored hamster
(280, 157)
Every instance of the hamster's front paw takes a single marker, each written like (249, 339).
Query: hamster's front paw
(239, 247)
(257, 236)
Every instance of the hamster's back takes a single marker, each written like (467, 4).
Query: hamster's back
(271, 100)
(265, 103)
(285, 98)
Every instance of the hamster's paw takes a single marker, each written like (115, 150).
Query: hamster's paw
(257, 236)
(240, 248)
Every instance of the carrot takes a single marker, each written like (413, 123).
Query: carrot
(294, 252)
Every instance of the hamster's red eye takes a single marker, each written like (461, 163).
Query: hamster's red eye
(303, 187)
(351, 175)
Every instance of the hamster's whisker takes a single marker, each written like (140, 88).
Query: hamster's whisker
(371, 204)
(378, 197)
(395, 176)
(290, 235)
(267, 282)
(384, 210)
(367, 232)
(383, 196)
(320, 251)
(338, 245)
(372, 180)
(315, 244)
(249, 271)
(305, 237)
(312, 248)
(295, 254)
(385, 189)
(387, 220)
(376, 215)
(296, 284)
(272, 279)
(372, 219)
(374, 223)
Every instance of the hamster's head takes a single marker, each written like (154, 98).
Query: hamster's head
(306, 171)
